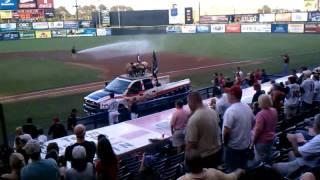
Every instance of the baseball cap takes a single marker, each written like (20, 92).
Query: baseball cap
(32, 147)
(307, 72)
(79, 152)
(234, 90)
(25, 138)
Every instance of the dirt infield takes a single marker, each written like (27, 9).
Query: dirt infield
(111, 65)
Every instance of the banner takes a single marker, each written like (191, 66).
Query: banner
(10, 36)
(5, 14)
(310, 5)
(24, 26)
(27, 35)
(27, 4)
(256, 28)
(8, 27)
(233, 28)
(188, 15)
(299, 17)
(81, 32)
(49, 13)
(314, 16)
(296, 28)
(43, 34)
(203, 28)
(173, 29)
(283, 17)
(246, 18)
(188, 29)
(71, 24)
(103, 32)
(85, 24)
(28, 14)
(55, 25)
(279, 28)
(59, 33)
(45, 4)
(312, 28)
(8, 4)
(218, 28)
(105, 18)
(40, 25)
(207, 19)
(176, 14)
(267, 17)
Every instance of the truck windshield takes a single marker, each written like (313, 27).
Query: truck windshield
(117, 86)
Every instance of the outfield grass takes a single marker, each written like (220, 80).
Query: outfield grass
(25, 75)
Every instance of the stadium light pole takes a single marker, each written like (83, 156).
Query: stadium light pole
(77, 11)
(119, 19)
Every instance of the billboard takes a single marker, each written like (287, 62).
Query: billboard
(267, 17)
(176, 15)
(283, 17)
(173, 29)
(233, 28)
(27, 35)
(71, 24)
(310, 5)
(103, 32)
(81, 32)
(59, 33)
(49, 13)
(203, 28)
(188, 29)
(314, 16)
(31, 14)
(10, 36)
(40, 25)
(207, 19)
(8, 27)
(299, 17)
(312, 28)
(55, 25)
(27, 4)
(296, 28)
(43, 34)
(256, 28)
(5, 14)
(105, 18)
(188, 15)
(24, 26)
(218, 28)
(279, 28)
(45, 4)
(246, 18)
(8, 4)
(85, 24)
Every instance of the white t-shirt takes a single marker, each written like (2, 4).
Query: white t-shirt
(239, 118)
(310, 152)
(316, 91)
(222, 104)
(292, 98)
(42, 139)
(308, 88)
(112, 105)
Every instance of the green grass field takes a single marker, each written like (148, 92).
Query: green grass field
(22, 75)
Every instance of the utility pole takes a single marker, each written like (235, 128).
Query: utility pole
(119, 18)
(3, 127)
(77, 11)
(199, 11)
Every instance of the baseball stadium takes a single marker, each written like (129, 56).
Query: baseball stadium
(170, 90)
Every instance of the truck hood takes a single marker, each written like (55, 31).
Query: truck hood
(100, 94)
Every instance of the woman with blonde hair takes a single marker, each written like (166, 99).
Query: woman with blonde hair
(264, 129)
(16, 164)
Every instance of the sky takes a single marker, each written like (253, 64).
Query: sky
(207, 6)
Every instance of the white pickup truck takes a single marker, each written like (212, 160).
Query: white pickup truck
(134, 89)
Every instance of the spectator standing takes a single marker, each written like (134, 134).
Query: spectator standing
(19, 132)
(21, 141)
(222, 104)
(257, 88)
(292, 102)
(222, 80)
(316, 98)
(16, 164)
(264, 76)
(237, 123)
(107, 163)
(286, 60)
(31, 129)
(239, 72)
(39, 169)
(277, 97)
(57, 129)
(41, 138)
(112, 106)
(264, 130)
(178, 124)
(80, 132)
(124, 113)
(203, 132)
(307, 88)
(80, 169)
(72, 119)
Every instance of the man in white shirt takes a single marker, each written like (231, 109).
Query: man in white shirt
(222, 104)
(307, 87)
(316, 98)
(291, 103)
(237, 124)
(112, 106)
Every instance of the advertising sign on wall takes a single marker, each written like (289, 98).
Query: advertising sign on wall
(267, 17)
(45, 4)
(246, 18)
(296, 28)
(27, 35)
(314, 16)
(43, 34)
(85, 24)
(283, 17)
(81, 32)
(173, 29)
(8, 4)
(49, 13)
(40, 25)
(31, 13)
(55, 25)
(59, 33)
(103, 32)
(8, 27)
(203, 28)
(279, 28)
(299, 17)
(5, 14)
(233, 28)
(27, 4)
(24, 26)
(256, 28)
(218, 28)
(105, 18)
(188, 29)
(207, 19)
(312, 28)
(10, 36)
(188, 15)
(176, 14)
(71, 24)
